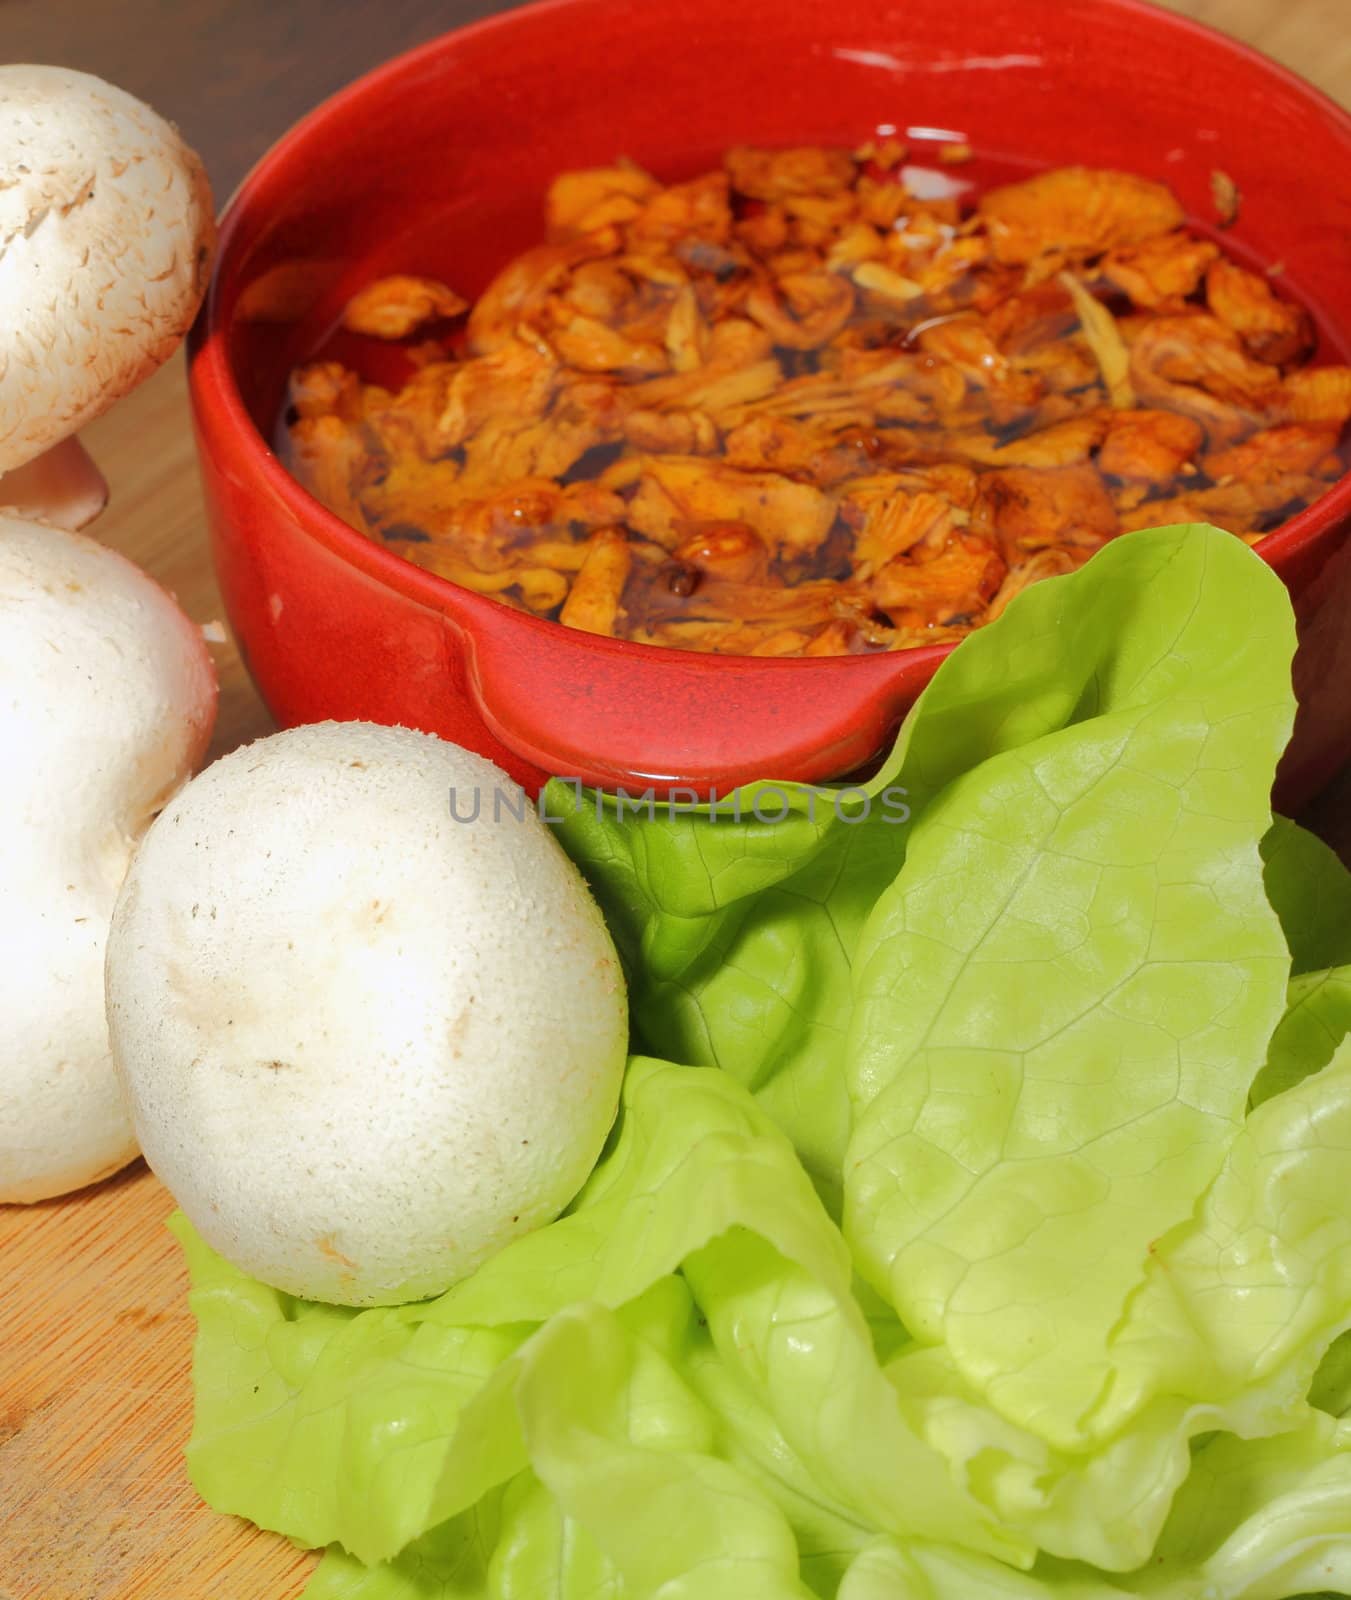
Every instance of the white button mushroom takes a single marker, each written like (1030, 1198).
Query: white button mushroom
(106, 692)
(106, 233)
(107, 697)
(365, 1044)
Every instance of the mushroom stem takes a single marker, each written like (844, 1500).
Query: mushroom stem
(62, 487)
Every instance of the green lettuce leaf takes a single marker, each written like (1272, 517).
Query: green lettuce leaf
(368, 1429)
(1257, 1520)
(1317, 1018)
(738, 936)
(1310, 890)
(1036, 1046)
(1239, 1303)
(455, 1561)
(1226, 1330)
(1064, 997)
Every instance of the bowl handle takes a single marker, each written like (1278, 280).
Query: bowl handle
(635, 717)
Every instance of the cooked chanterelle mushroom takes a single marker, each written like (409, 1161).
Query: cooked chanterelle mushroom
(106, 233)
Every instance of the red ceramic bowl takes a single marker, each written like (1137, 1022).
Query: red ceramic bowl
(438, 163)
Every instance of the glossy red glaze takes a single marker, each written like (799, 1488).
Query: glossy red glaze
(438, 163)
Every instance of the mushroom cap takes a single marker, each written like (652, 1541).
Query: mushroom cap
(365, 1044)
(107, 698)
(106, 234)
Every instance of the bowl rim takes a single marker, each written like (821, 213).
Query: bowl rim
(219, 405)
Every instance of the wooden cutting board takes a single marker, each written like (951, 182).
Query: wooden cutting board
(95, 1336)
(94, 1411)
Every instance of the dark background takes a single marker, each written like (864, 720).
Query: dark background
(234, 74)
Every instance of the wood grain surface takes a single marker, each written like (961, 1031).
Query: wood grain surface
(95, 1334)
